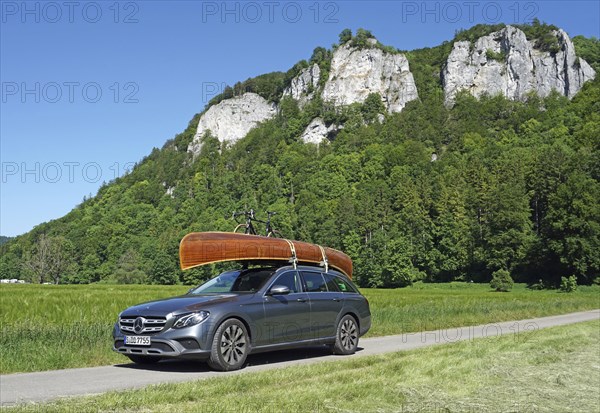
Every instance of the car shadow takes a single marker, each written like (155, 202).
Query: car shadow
(270, 358)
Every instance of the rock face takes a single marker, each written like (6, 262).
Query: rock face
(316, 131)
(506, 63)
(304, 86)
(356, 73)
(232, 119)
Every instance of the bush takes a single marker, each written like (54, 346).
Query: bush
(568, 285)
(538, 286)
(501, 281)
(497, 56)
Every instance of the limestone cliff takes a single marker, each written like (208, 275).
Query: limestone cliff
(304, 86)
(231, 119)
(506, 63)
(357, 72)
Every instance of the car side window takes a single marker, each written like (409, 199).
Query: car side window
(290, 280)
(314, 282)
(331, 282)
(345, 286)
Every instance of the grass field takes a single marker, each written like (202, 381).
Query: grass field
(47, 327)
(551, 370)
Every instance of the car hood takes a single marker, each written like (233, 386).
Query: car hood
(182, 304)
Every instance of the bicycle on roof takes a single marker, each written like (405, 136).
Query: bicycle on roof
(248, 226)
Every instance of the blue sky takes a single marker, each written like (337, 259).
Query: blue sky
(90, 87)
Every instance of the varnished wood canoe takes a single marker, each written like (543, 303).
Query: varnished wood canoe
(200, 248)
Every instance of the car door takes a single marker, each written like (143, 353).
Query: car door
(287, 317)
(326, 303)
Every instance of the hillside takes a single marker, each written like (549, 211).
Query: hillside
(409, 183)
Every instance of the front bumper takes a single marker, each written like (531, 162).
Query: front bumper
(167, 344)
(161, 348)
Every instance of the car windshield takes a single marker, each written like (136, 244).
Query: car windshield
(238, 281)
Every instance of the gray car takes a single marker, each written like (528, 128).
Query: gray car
(247, 311)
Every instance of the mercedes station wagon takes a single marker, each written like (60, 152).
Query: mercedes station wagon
(244, 312)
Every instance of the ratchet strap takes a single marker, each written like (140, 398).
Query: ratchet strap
(293, 258)
(325, 262)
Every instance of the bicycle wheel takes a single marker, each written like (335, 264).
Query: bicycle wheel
(241, 229)
(245, 229)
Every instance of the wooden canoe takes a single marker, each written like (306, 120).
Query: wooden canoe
(200, 248)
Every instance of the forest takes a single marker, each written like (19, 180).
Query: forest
(432, 194)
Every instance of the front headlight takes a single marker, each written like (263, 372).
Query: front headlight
(191, 319)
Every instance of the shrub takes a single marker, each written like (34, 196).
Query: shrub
(568, 285)
(497, 56)
(501, 281)
(538, 286)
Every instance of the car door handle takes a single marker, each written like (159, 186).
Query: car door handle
(337, 300)
(301, 300)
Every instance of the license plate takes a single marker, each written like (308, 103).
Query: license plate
(137, 340)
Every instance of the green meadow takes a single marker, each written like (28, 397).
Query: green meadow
(46, 327)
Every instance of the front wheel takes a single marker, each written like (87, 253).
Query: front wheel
(241, 229)
(230, 347)
(244, 229)
(346, 337)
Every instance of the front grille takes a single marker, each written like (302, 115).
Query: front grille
(150, 324)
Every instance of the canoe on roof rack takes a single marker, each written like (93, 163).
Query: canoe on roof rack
(201, 248)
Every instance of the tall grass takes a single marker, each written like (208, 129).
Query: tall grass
(47, 327)
(436, 306)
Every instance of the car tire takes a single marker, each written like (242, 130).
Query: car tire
(144, 359)
(346, 336)
(230, 346)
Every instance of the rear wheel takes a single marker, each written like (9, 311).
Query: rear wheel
(346, 337)
(230, 347)
(144, 360)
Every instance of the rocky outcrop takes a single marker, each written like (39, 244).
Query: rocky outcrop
(316, 131)
(303, 87)
(355, 73)
(231, 119)
(506, 63)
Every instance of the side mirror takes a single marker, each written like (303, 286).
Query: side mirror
(279, 290)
